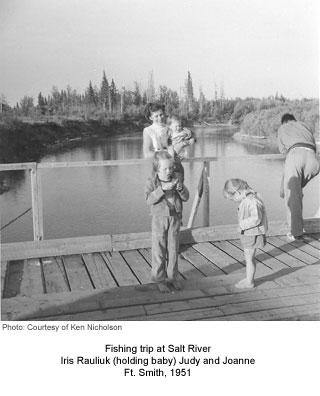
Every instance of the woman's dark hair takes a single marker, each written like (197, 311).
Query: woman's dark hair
(287, 117)
(152, 107)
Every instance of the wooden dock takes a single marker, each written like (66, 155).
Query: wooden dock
(107, 277)
(113, 284)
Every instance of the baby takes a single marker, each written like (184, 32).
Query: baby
(179, 138)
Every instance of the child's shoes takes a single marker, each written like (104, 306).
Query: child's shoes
(164, 287)
(293, 238)
(177, 284)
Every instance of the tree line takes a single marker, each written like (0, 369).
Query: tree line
(109, 101)
(109, 110)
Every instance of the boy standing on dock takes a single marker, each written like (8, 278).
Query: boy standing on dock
(165, 193)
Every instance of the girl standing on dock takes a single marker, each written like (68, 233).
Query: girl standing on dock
(253, 224)
(165, 193)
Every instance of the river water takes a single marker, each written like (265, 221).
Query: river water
(104, 200)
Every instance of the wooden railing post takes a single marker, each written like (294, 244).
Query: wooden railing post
(202, 190)
(206, 193)
(196, 201)
(36, 197)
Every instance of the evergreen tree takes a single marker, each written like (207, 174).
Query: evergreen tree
(113, 95)
(50, 105)
(189, 93)
(26, 105)
(70, 100)
(151, 91)
(41, 104)
(56, 99)
(137, 98)
(163, 94)
(64, 100)
(104, 92)
(90, 96)
(40, 100)
(222, 93)
(3, 104)
(173, 98)
(121, 97)
(128, 98)
(96, 93)
(144, 98)
(215, 91)
(282, 98)
(202, 101)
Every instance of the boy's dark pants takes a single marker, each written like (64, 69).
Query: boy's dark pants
(165, 247)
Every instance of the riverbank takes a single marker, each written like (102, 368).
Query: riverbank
(29, 140)
(263, 141)
(261, 126)
(260, 141)
(211, 124)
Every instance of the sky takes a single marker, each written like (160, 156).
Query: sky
(255, 48)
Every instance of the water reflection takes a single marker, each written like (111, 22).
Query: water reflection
(101, 200)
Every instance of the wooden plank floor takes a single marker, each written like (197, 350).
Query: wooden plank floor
(115, 285)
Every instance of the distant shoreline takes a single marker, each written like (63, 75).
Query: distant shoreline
(26, 139)
(29, 141)
(262, 141)
(265, 141)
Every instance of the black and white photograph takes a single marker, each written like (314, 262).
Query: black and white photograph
(159, 162)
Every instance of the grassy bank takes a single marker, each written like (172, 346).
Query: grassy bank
(27, 141)
(262, 125)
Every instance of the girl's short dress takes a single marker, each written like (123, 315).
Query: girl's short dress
(253, 241)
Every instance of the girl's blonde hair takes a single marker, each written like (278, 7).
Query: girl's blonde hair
(158, 156)
(233, 185)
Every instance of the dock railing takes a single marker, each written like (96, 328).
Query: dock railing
(202, 192)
